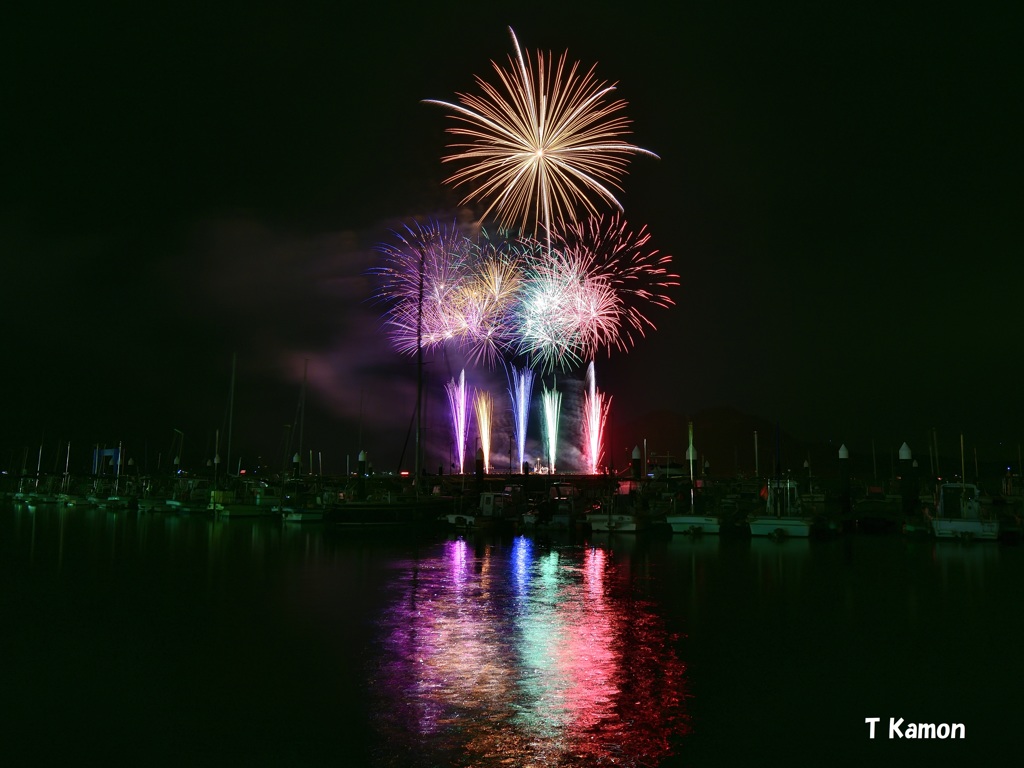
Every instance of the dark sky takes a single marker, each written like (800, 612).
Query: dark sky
(839, 187)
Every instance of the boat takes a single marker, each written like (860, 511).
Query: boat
(959, 515)
(686, 514)
(609, 520)
(693, 524)
(688, 519)
(395, 516)
(302, 514)
(543, 514)
(783, 515)
(252, 499)
(300, 510)
(300, 503)
(619, 513)
(151, 505)
(117, 502)
(494, 510)
(190, 496)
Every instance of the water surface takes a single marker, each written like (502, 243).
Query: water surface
(150, 639)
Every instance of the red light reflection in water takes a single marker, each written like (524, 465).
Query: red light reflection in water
(524, 657)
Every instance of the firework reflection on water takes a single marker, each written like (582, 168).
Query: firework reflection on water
(524, 655)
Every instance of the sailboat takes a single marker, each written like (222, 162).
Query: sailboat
(65, 497)
(400, 512)
(121, 496)
(300, 502)
(958, 514)
(783, 515)
(690, 520)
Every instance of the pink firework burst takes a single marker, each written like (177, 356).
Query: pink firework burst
(605, 248)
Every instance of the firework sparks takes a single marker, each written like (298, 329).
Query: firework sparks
(510, 297)
(484, 406)
(541, 143)
(458, 399)
(607, 251)
(421, 279)
(595, 414)
(566, 313)
(521, 392)
(486, 297)
(551, 402)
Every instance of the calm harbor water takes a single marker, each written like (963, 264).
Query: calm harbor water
(152, 639)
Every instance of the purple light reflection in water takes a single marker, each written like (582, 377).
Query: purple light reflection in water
(527, 655)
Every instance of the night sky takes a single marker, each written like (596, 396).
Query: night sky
(839, 187)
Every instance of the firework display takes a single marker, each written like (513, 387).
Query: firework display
(540, 143)
(555, 282)
(512, 298)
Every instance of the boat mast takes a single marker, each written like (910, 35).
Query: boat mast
(302, 413)
(67, 465)
(963, 480)
(117, 471)
(231, 407)
(419, 374)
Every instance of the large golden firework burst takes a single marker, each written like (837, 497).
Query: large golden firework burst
(542, 144)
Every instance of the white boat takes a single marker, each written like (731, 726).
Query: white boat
(783, 515)
(958, 514)
(616, 514)
(616, 522)
(687, 520)
(693, 524)
(302, 515)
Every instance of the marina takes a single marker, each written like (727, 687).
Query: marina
(741, 508)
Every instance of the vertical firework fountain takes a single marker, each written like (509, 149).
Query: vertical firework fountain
(551, 402)
(458, 398)
(521, 392)
(484, 405)
(595, 414)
